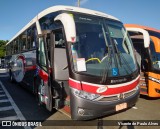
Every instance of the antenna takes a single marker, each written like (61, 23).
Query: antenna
(78, 3)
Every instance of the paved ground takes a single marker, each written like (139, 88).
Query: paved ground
(145, 109)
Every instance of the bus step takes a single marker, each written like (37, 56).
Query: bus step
(65, 112)
(143, 93)
(143, 85)
(142, 79)
(144, 90)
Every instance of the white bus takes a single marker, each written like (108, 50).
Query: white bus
(76, 60)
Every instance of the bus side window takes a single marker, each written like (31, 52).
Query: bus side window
(34, 37)
(15, 46)
(59, 40)
(24, 41)
(154, 56)
(41, 55)
(31, 37)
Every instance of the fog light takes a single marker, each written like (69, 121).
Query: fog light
(81, 112)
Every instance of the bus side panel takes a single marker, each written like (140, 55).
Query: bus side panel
(30, 69)
(153, 85)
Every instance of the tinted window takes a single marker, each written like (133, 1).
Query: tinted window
(155, 57)
(31, 37)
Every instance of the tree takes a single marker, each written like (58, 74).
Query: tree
(2, 48)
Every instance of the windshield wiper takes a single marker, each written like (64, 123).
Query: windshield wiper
(109, 60)
(121, 55)
(106, 69)
(117, 51)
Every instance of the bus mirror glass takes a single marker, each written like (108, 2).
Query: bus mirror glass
(69, 26)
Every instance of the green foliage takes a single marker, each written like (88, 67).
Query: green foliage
(2, 48)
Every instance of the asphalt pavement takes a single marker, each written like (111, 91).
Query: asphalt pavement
(146, 110)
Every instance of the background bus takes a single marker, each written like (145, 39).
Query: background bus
(78, 60)
(151, 31)
(147, 45)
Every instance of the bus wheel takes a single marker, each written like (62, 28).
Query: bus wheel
(49, 103)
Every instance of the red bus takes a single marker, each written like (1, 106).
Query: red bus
(76, 60)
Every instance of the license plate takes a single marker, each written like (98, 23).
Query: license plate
(121, 106)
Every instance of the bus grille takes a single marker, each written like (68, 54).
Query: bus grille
(116, 97)
(110, 98)
(126, 95)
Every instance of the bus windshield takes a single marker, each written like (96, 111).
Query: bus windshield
(102, 48)
(155, 56)
(154, 33)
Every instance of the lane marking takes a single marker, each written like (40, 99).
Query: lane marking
(6, 108)
(4, 75)
(17, 110)
(2, 69)
(4, 100)
(9, 118)
(3, 95)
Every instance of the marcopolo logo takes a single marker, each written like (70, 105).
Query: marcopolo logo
(102, 89)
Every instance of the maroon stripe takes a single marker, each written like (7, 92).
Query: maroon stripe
(110, 91)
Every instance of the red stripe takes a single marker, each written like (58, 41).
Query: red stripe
(21, 57)
(75, 84)
(30, 68)
(110, 91)
(23, 60)
(43, 75)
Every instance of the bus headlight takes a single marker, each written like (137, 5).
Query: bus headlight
(85, 95)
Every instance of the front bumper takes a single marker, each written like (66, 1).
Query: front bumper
(83, 109)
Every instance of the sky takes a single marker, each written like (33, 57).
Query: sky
(15, 14)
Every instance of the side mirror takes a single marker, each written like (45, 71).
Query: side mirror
(69, 26)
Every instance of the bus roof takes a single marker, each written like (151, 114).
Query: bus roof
(59, 8)
(140, 26)
(73, 9)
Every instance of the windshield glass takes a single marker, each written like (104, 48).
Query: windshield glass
(102, 48)
(155, 56)
(153, 33)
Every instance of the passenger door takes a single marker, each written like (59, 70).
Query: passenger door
(59, 66)
(59, 56)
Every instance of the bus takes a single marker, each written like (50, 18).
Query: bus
(146, 42)
(76, 60)
(151, 31)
